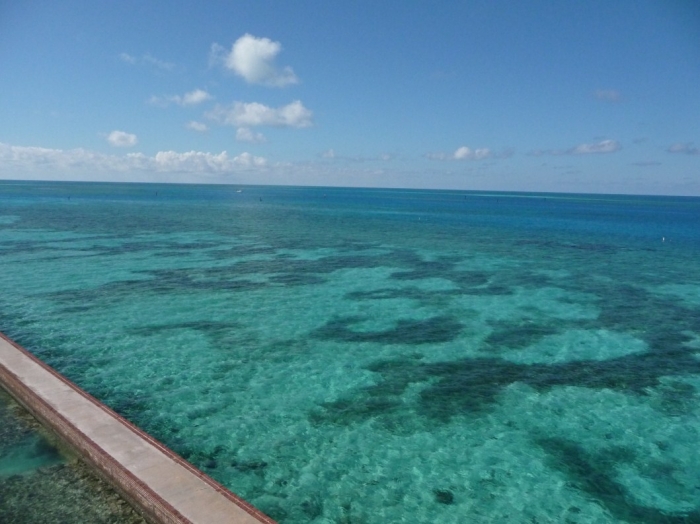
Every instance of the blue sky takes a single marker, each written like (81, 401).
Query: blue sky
(592, 96)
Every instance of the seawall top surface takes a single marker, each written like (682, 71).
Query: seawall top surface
(192, 495)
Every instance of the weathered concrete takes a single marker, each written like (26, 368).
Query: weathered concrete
(164, 487)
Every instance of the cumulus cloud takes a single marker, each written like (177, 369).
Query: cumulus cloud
(254, 59)
(148, 60)
(22, 158)
(607, 95)
(245, 134)
(121, 139)
(248, 160)
(253, 114)
(195, 97)
(197, 126)
(685, 149)
(462, 153)
(200, 162)
(192, 98)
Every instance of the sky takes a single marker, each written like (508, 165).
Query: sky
(587, 97)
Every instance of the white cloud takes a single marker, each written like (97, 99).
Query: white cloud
(121, 139)
(248, 160)
(200, 162)
(245, 134)
(125, 57)
(217, 55)
(160, 64)
(604, 146)
(253, 114)
(686, 149)
(161, 101)
(462, 153)
(147, 59)
(328, 154)
(607, 95)
(253, 59)
(192, 98)
(197, 126)
(38, 163)
(27, 159)
(195, 97)
(437, 156)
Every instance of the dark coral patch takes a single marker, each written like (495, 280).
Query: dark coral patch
(410, 293)
(205, 326)
(470, 278)
(471, 386)
(296, 279)
(432, 330)
(509, 336)
(596, 473)
(444, 496)
(490, 290)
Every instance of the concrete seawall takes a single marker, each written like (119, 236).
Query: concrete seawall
(160, 484)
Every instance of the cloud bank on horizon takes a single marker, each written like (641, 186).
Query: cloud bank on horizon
(190, 162)
(376, 107)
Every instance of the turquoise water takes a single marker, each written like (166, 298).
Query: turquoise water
(346, 355)
(22, 450)
(39, 485)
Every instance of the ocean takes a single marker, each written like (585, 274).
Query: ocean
(373, 355)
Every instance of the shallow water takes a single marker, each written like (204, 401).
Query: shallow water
(40, 485)
(342, 355)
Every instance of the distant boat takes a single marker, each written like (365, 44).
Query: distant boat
(239, 191)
